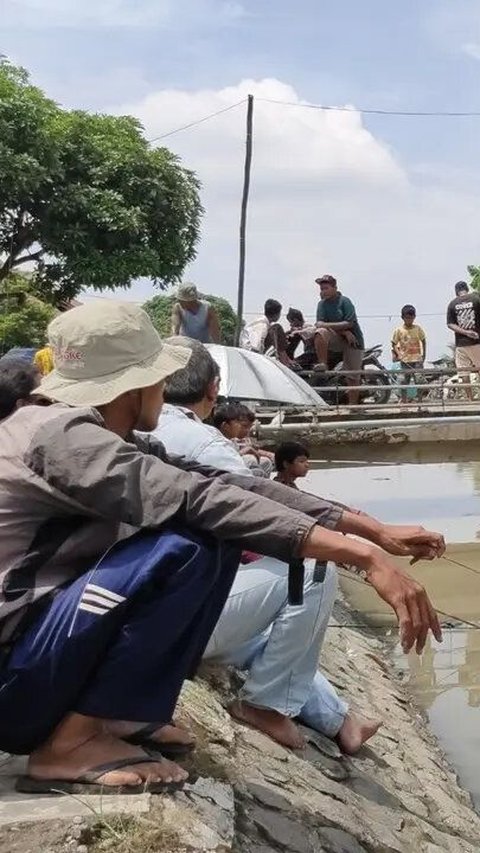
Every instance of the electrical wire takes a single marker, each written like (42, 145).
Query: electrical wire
(197, 122)
(324, 108)
(378, 112)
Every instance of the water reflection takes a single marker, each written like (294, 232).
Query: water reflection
(442, 495)
(445, 496)
(446, 684)
(471, 470)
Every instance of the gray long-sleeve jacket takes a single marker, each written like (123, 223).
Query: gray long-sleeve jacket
(67, 484)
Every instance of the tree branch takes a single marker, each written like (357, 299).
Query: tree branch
(21, 238)
(35, 256)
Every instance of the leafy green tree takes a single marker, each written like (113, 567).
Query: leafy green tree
(84, 199)
(23, 317)
(474, 273)
(160, 310)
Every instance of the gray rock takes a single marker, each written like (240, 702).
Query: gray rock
(268, 797)
(330, 767)
(262, 848)
(288, 833)
(321, 743)
(338, 841)
(373, 791)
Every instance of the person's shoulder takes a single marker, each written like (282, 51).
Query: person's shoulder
(45, 425)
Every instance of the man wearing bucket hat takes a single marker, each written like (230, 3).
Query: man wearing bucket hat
(194, 317)
(100, 629)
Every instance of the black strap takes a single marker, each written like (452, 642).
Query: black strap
(296, 577)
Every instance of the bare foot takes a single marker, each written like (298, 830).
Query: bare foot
(272, 723)
(356, 730)
(173, 733)
(80, 743)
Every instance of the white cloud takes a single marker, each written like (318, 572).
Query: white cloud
(455, 25)
(38, 14)
(327, 196)
(472, 49)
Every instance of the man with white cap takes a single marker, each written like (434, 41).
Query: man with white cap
(102, 631)
(194, 317)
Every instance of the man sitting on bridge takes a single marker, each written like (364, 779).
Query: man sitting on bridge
(338, 331)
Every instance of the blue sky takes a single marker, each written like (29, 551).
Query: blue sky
(390, 204)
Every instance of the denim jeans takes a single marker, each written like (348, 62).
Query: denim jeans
(280, 644)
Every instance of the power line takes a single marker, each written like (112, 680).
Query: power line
(198, 121)
(378, 112)
(389, 316)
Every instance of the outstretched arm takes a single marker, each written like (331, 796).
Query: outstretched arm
(403, 594)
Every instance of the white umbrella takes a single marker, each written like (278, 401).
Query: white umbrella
(248, 375)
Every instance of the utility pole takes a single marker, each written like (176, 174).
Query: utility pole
(243, 218)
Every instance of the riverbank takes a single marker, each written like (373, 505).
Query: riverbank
(395, 432)
(253, 796)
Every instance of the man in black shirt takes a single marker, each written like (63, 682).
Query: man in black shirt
(463, 318)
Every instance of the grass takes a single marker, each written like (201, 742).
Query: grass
(133, 835)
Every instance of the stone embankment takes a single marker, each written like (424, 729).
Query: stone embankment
(396, 433)
(253, 796)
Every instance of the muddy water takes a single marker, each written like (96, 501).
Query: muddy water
(444, 496)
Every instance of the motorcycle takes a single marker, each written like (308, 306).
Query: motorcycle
(432, 378)
(332, 386)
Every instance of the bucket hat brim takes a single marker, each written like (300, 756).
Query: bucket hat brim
(101, 390)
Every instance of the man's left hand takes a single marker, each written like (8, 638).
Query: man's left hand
(350, 339)
(411, 541)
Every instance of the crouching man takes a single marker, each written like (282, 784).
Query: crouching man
(101, 633)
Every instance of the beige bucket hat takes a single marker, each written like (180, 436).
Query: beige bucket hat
(187, 292)
(103, 349)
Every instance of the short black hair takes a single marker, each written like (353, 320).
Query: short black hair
(272, 308)
(295, 315)
(409, 309)
(190, 384)
(461, 287)
(226, 412)
(246, 414)
(288, 451)
(18, 379)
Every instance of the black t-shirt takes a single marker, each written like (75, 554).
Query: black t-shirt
(464, 311)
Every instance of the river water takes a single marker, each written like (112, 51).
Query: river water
(444, 496)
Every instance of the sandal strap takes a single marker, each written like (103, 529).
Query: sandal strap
(93, 774)
(139, 737)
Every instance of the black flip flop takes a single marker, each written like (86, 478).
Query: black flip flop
(154, 747)
(87, 783)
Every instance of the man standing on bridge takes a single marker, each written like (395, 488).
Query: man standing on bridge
(463, 318)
